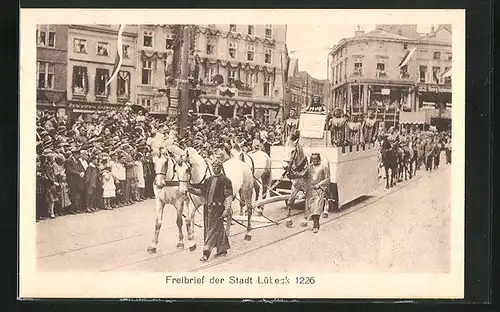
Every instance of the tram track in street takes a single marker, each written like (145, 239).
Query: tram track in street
(347, 210)
(343, 213)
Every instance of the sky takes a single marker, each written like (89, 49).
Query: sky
(311, 43)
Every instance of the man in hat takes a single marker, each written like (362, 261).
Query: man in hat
(318, 182)
(74, 176)
(218, 194)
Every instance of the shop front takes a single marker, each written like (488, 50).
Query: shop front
(52, 101)
(85, 110)
(231, 107)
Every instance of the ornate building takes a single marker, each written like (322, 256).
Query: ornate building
(302, 87)
(240, 69)
(158, 62)
(51, 67)
(366, 74)
(91, 57)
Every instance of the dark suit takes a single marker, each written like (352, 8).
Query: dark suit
(90, 180)
(75, 182)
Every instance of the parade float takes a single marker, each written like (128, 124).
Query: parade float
(346, 143)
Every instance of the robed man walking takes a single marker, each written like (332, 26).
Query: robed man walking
(218, 193)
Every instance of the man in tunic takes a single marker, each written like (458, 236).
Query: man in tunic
(353, 130)
(370, 128)
(337, 128)
(318, 181)
(218, 193)
(292, 123)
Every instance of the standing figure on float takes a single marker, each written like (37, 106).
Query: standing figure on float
(370, 128)
(337, 128)
(353, 130)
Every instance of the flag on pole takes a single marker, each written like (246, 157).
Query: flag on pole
(119, 56)
(407, 57)
(447, 73)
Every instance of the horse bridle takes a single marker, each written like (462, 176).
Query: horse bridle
(164, 173)
(190, 166)
(292, 161)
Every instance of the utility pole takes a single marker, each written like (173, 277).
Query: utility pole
(185, 103)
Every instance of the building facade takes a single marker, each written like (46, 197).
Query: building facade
(302, 87)
(91, 58)
(365, 72)
(158, 58)
(240, 69)
(51, 67)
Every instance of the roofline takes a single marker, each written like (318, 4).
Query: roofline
(344, 41)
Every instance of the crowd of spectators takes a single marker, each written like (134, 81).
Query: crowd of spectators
(105, 161)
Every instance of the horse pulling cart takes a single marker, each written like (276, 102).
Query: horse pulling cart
(353, 168)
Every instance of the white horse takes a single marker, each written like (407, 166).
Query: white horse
(167, 193)
(193, 169)
(260, 164)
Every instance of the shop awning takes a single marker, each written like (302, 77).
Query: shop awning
(412, 117)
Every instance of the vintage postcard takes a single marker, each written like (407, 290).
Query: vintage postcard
(242, 153)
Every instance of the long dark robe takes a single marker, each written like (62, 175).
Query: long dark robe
(215, 190)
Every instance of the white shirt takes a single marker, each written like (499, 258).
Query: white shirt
(84, 163)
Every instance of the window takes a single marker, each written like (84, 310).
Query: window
(42, 33)
(169, 42)
(147, 39)
(80, 46)
(250, 30)
(447, 80)
(103, 48)
(210, 74)
(423, 71)
(232, 27)
(147, 72)
(251, 53)
(231, 76)
(267, 85)
(403, 72)
(232, 50)
(448, 56)
(146, 102)
(435, 74)
(340, 71)
(101, 77)
(211, 46)
(126, 51)
(45, 75)
(358, 67)
(269, 31)
(251, 79)
(437, 55)
(123, 87)
(80, 80)
(268, 56)
(381, 68)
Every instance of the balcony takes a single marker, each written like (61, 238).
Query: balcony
(381, 74)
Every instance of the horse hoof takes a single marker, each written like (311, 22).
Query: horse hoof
(180, 245)
(289, 223)
(248, 237)
(152, 250)
(192, 248)
(241, 213)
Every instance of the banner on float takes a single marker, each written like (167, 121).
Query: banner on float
(312, 125)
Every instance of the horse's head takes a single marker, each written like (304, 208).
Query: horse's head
(294, 154)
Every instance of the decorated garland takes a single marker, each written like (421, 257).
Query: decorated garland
(216, 32)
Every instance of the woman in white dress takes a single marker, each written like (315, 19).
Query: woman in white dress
(139, 170)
